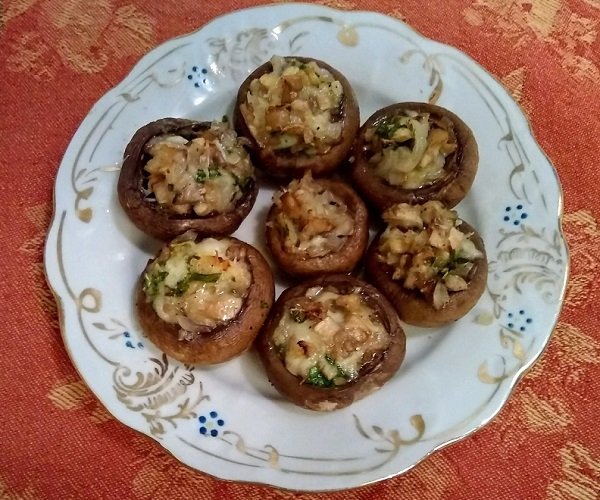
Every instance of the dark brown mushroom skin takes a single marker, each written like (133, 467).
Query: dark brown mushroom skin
(461, 165)
(147, 215)
(328, 399)
(290, 166)
(226, 341)
(412, 306)
(342, 261)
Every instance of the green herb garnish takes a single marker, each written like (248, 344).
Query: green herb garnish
(316, 377)
(202, 176)
(388, 128)
(152, 282)
(183, 285)
(447, 266)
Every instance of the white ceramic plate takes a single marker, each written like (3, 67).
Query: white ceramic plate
(227, 420)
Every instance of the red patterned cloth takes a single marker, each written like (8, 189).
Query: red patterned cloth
(57, 441)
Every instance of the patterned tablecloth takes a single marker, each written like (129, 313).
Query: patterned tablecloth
(56, 440)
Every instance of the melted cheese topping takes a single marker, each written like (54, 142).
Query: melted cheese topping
(427, 251)
(409, 150)
(326, 337)
(197, 285)
(206, 175)
(312, 219)
(294, 108)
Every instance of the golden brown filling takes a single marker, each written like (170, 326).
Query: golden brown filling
(313, 221)
(410, 150)
(427, 251)
(294, 108)
(207, 175)
(197, 285)
(326, 337)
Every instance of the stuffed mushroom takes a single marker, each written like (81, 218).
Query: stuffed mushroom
(204, 300)
(412, 153)
(299, 114)
(317, 226)
(331, 341)
(179, 175)
(431, 265)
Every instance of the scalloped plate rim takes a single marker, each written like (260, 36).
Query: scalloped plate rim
(354, 14)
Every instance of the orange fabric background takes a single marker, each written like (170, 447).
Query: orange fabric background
(56, 441)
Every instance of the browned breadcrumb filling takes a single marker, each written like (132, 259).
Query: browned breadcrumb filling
(197, 285)
(325, 337)
(427, 251)
(204, 176)
(312, 220)
(409, 150)
(295, 108)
